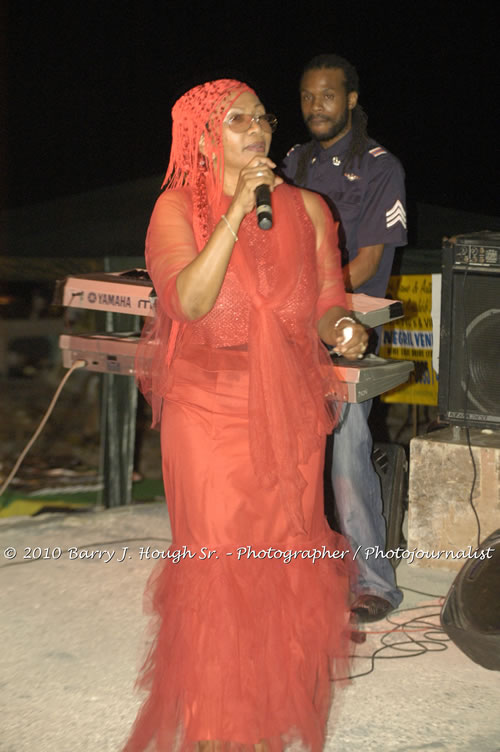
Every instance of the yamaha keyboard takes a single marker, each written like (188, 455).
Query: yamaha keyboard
(104, 353)
(132, 292)
(364, 379)
(115, 353)
(372, 312)
(117, 292)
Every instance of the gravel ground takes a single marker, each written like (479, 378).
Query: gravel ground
(74, 637)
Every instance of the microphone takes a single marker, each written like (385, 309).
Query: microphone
(264, 210)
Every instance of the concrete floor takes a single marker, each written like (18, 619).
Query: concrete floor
(73, 640)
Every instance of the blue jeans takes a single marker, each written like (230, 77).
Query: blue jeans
(358, 501)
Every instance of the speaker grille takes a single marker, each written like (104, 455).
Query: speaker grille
(483, 360)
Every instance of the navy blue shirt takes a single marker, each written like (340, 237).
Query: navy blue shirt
(367, 198)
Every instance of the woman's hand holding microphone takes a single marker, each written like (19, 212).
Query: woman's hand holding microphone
(259, 171)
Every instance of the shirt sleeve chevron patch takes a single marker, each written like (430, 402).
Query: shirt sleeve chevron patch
(395, 214)
(377, 151)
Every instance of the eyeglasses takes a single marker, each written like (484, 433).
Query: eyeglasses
(239, 122)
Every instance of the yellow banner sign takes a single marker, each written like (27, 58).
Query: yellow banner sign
(411, 338)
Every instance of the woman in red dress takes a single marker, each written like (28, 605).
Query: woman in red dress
(252, 608)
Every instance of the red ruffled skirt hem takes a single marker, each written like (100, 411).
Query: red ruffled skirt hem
(246, 645)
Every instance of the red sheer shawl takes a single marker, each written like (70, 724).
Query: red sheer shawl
(283, 285)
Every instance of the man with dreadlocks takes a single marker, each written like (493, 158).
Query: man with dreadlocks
(364, 186)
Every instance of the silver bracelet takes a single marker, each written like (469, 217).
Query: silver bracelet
(347, 331)
(344, 318)
(230, 228)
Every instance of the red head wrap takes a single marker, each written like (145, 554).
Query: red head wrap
(200, 113)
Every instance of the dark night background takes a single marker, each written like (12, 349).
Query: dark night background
(91, 84)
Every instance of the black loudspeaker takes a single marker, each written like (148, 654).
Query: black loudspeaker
(391, 466)
(471, 612)
(469, 358)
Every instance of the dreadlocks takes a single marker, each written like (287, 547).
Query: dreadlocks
(359, 141)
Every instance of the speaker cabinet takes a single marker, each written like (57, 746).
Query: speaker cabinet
(389, 461)
(469, 359)
(471, 612)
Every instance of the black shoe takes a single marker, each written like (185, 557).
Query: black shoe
(369, 607)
